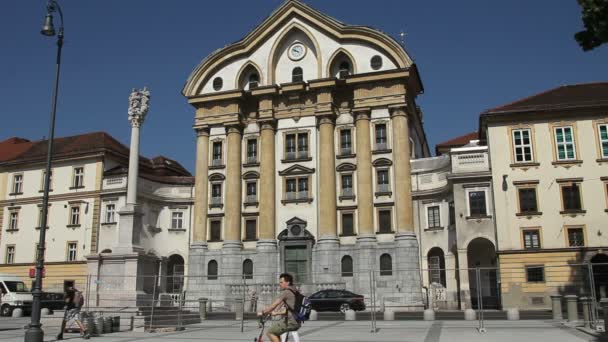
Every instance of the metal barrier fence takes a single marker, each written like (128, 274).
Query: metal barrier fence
(561, 292)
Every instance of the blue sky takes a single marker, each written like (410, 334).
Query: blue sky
(472, 55)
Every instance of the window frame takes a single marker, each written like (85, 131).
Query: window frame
(255, 158)
(344, 272)
(297, 77)
(523, 146)
(571, 184)
(17, 188)
(221, 230)
(179, 220)
(388, 184)
(245, 230)
(378, 221)
(68, 251)
(527, 187)
(71, 221)
(296, 198)
(529, 267)
(251, 199)
(353, 229)
(112, 214)
(13, 220)
(601, 141)
(216, 163)
(433, 206)
(485, 191)
(343, 194)
(248, 262)
(212, 203)
(217, 270)
(556, 143)
(385, 271)
(567, 230)
(538, 232)
(50, 181)
(77, 178)
(386, 136)
(299, 153)
(11, 260)
(346, 151)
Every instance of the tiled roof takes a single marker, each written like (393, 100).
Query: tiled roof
(459, 141)
(13, 147)
(568, 96)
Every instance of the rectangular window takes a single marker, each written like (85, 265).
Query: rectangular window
(215, 231)
(381, 141)
(296, 146)
(216, 193)
(564, 142)
(433, 217)
(452, 213)
(75, 215)
(535, 274)
(531, 238)
(78, 177)
(252, 192)
(13, 223)
(302, 145)
(177, 220)
(110, 213)
(576, 237)
(10, 254)
(347, 185)
(571, 197)
(302, 188)
(603, 135)
(50, 180)
(384, 221)
(72, 248)
(251, 230)
(290, 187)
(347, 224)
(290, 146)
(527, 200)
(477, 203)
(18, 184)
(217, 153)
(383, 181)
(522, 146)
(345, 142)
(252, 151)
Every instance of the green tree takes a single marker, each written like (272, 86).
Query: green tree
(595, 19)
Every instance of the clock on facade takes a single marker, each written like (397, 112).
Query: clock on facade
(297, 51)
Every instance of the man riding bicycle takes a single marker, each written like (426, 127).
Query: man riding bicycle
(285, 304)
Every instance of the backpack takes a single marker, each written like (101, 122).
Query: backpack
(78, 300)
(302, 307)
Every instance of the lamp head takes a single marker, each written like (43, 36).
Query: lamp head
(48, 29)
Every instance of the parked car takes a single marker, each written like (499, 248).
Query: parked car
(14, 294)
(52, 301)
(336, 300)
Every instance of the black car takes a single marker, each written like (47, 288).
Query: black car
(336, 300)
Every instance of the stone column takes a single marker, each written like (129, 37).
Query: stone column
(463, 272)
(572, 307)
(401, 160)
(232, 195)
(201, 185)
(556, 307)
(365, 209)
(267, 185)
(450, 281)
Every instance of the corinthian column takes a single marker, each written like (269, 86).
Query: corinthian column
(327, 180)
(403, 187)
(232, 236)
(267, 186)
(365, 208)
(201, 187)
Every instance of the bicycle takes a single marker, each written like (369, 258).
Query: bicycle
(262, 324)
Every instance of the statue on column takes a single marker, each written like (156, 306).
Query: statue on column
(138, 105)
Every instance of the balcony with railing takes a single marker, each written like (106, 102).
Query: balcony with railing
(216, 202)
(251, 200)
(297, 156)
(251, 160)
(217, 163)
(346, 152)
(381, 147)
(383, 190)
(296, 197)
(473, 161)
(347, 194)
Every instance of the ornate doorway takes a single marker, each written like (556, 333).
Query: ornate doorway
(295, 244)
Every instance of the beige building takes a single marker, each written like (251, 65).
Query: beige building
(306, 128)
(549, 160)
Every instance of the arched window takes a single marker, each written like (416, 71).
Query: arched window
(436, 262)
(386, 265)
(344, 69)
(212, 270)
(247, 269)
(347, 266)
(297, 75)
(254, 79)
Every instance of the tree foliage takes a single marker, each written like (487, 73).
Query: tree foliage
(595, 20)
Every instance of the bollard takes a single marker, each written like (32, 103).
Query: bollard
(350, 315)
(239, 306)
(556, 306)
(429, 315)
(513, 314)
(389, 314)
(132, 324)
(604, 304)
(313, 315)
(586, 304)
(17, 312)
(470, 315)
(45, 312)
(572, 307)
(202, 308)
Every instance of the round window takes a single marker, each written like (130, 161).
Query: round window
(296, 230)
(218, 83)
(376, 62)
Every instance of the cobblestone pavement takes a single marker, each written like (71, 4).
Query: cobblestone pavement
(357, 331)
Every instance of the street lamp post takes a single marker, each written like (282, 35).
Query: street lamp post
(34, 332)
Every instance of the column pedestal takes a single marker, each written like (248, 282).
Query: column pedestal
(326, 267)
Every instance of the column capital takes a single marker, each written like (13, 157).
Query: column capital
(202, 131)
(267, 125)
(398, 110)
(362, 114)
(325, 119)
(234, 128)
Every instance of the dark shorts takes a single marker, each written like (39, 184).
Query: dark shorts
(281, 327)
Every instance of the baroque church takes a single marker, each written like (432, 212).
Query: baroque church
(305, 131)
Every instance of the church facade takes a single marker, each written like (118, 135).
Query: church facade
(305, 131)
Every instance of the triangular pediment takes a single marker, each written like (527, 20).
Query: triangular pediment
(296, 220)
(296, 170)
